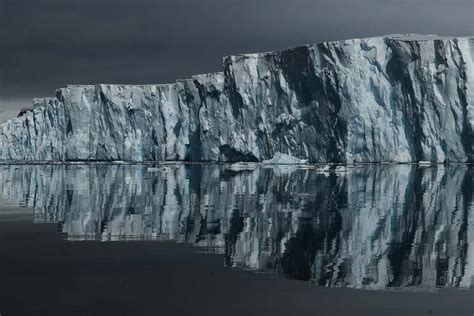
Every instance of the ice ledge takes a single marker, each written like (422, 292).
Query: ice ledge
(399, 37)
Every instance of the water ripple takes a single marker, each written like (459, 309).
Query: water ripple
(372, 227)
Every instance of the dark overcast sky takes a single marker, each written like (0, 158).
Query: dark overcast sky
(46, 44)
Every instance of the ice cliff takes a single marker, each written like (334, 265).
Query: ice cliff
(393, 98)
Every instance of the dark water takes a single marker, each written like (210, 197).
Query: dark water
(375, 227)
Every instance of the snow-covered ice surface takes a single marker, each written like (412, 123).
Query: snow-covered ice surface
(395, 98)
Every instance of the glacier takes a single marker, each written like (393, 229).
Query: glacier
(394, 98)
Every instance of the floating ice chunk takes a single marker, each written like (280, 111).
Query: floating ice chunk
(340, 170)
(326, 168)
(285, 159)
(241, 166)
(424, 163)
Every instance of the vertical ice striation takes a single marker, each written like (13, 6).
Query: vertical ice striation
(397, 98)
(366, 100)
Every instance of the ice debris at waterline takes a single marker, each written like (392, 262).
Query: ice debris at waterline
(284, 159)
(396, 98)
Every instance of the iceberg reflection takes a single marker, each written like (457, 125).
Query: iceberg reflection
(372, 227)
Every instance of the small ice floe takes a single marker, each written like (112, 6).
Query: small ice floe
(324, 170)
(74, 162)
(340, 170)
(285, 159)
(119, 162)
(424, 163)
(241, 166)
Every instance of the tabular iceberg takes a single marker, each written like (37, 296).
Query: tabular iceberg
(396, 98)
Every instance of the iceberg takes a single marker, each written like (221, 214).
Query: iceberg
(394, 98)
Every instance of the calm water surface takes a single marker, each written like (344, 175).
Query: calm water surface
(377, 227)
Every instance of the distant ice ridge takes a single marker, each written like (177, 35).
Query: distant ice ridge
(396, 98)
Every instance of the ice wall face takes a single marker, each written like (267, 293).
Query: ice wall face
(37, 134)
(379, 99)
(211, 122)
(394, 98)
(124, 122)
(181, 121)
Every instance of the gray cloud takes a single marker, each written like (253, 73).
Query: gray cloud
(50, 43)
